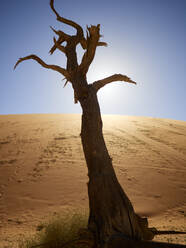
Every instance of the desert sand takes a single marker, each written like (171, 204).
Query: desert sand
(43, 171)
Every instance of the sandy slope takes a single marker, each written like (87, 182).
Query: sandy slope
(42, 169)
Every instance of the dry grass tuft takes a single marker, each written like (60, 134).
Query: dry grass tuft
(60, 231)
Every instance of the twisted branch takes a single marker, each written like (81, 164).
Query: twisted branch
(116, 77)
(42, 63)
(80, 34)
(66, 21)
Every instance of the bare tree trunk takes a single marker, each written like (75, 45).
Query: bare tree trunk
(110, 209)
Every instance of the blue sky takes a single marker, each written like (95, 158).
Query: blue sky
(146, 41)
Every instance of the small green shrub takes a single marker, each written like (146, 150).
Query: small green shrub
(57, 232)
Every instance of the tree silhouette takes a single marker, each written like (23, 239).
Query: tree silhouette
(112, 218)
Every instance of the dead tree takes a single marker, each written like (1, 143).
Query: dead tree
(111, 211)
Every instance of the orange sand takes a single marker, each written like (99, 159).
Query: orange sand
(43, 171)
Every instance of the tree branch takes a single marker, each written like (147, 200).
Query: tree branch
(61, 34)
(92, 41)
(100, 43)
(66, 21)
(84, 44)
(116, 77)
(42, 63)
(80, 34)
(57, 44)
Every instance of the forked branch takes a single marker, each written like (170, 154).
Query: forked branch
(57, 43)
(93, 35)
(42, 63)
(116, 77)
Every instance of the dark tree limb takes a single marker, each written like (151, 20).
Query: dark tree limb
(57, 43)
(65, 82)
(73, 24)
(66, 21)
(84, 43)
(60, 33)
(42, 63)
(100, 43)
(58, 46)
(93, 35)
(116, 77)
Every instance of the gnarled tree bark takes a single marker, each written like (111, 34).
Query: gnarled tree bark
(111, 211)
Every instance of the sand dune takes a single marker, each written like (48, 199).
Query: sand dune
(42, 169)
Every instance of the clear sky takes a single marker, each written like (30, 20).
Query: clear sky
(146, 41)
